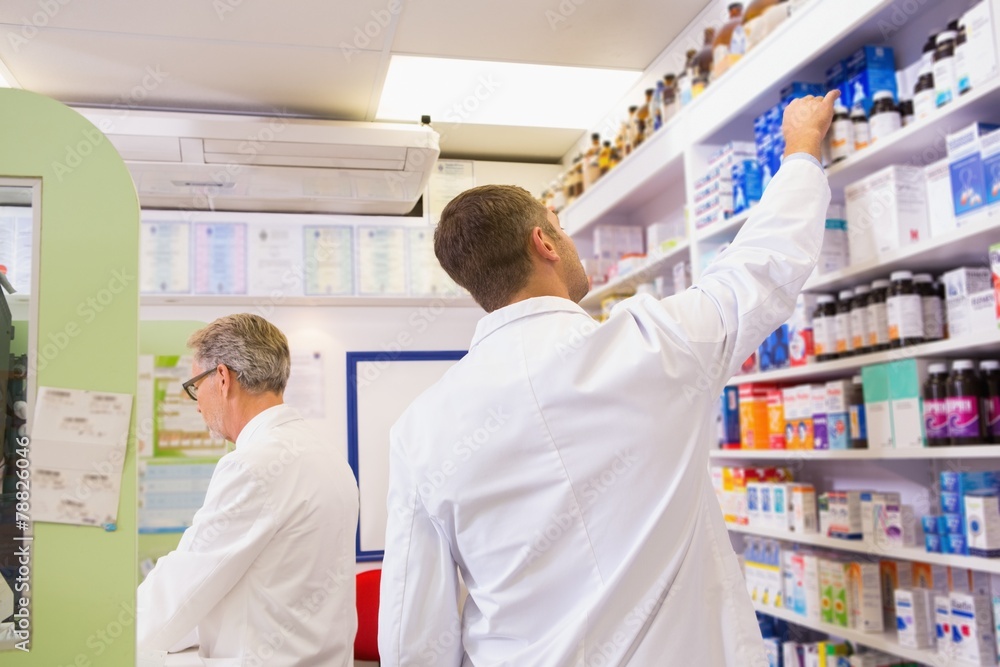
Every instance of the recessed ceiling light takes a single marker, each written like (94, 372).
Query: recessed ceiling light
(500, 93)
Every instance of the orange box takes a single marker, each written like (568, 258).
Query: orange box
(776, 419)
(754, 427)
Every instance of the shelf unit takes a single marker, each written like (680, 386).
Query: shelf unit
(986, 342)
(659, 176)
(926, 453)
(885, 642)
(917, 554)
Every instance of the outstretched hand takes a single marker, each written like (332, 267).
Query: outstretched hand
(806, 123)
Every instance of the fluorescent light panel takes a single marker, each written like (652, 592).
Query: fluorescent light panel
(500, 93)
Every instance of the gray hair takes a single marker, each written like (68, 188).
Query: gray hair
(249, 346)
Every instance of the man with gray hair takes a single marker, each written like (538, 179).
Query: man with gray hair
(265, 574)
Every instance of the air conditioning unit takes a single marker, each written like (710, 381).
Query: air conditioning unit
(203, 161)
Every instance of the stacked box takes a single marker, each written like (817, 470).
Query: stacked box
(970, 301)
(915, 617)
(754, 428)
(886, 211)
(870, 70)
(865, 597)
(729, 435)
(968, 180)
(776, 419)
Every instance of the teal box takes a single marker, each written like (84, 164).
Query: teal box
(875, 386)
(906, 380)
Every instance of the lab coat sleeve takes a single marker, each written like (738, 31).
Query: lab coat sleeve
(418, 620)
(751, 289)
(227, 534)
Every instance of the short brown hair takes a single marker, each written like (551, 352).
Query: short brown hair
(482, 241)
(252, 348)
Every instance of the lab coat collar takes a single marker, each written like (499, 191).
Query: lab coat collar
(273, 416)
(515, 311)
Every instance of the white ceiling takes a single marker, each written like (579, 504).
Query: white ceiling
(305, 57)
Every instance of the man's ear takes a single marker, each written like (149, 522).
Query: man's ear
(226, 380)
(543, 245)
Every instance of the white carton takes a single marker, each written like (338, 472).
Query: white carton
(982, 521)
(942, 627)
(915, 617)
(970, 301)
(803, 508)
(888, 209)
(864, 597)
(972, 629)
(940, 209)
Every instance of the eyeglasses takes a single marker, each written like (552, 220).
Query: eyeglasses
(191, 388)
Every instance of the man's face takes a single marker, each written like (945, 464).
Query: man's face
(573, 274)
(209, 400)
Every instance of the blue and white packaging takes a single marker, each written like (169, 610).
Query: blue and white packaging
(955, 545)
(870, 70)
(952, 524)
(762, 142)
(773, 352)
(798, 89)
(729, 434)
(777, 142)
(932, 543)
(748, 186)
(838, 414)
(982, 520)
(990, 151)
(965, 161)
(972, 637)
(951, 502)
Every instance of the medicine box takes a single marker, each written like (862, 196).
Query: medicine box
(972, 636)
(801, 348)
(777, 142)
(875, 384)
(803, 502)
(804, 422)
(982, 520)
(865, 597)
(780, 510)
(792, 411)
(995, 269)
(894, 574)
(753, 416)
(729, 435)
(932, 577)
(942, 627)
(891, 209)
(896, 526)
(955, 545)
(968, 183)
(836, 79)
(915, 617)
(838, 414)
(773, 352)
(833, 591)
(970, 301)
(940, 209)
(819, 418)
(835, 254)
(906, 380)
(990, 151)
(870, 70)
(776, 418)
(748, 185)
(754, 519)
(845, 514)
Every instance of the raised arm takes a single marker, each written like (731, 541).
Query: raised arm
(752, 287)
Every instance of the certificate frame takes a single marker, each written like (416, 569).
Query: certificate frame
(358, 439)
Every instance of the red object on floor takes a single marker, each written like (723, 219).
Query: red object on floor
(366, 641)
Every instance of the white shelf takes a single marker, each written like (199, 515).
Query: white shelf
(917, 554)
(332, 301)
(968, 245)
(920, 142)
(726, 109)
(925, 453)
(659, 265)
(885, 641)
(723, 229)
(982, 343)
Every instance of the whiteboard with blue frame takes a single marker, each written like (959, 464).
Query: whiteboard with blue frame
(380, 386)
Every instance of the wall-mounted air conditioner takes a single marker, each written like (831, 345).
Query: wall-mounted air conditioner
(247, 163)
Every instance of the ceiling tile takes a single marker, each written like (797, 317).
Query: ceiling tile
(558, 32)
(86, 68)
(328, 23)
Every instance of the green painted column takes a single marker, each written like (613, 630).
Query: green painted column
(83, 579)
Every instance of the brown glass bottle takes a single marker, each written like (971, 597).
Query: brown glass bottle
(642, 119)
(721, 52)
(703, 59)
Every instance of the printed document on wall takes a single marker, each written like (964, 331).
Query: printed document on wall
(305, 390)
(427, 277)
(273, 251)
(220, 258)
(16, 225)
(328, 265)
(78, 446)
(449, 179)
(165, 258)
(382, 261)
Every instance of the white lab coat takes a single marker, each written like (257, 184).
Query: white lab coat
(265, 574)
(562, 466)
